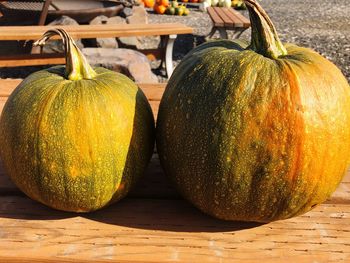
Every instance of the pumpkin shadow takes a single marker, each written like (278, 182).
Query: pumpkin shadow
(154, 204)
(19, 206)
(165, 215)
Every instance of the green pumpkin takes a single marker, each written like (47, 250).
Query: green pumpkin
(255, 132)
(76, 138)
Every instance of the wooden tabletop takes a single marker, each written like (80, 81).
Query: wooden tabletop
(154, 224)
(93, 31)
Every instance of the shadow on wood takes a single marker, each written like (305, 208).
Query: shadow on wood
(147, 214)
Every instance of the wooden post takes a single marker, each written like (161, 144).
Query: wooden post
(44, 12)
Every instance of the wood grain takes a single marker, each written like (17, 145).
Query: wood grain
(31, 60)
(168, 230)
(227, 21)
(240, 17)
(93, 31)
(154, 224)
(227, 18)
(217, 20)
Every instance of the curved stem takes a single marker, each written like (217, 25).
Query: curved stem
(77, 66)
(264, 40)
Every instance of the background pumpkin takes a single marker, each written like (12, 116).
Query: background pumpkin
(255, 132)
(75, 138)
(159, 9)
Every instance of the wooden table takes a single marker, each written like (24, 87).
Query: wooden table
(225, 19)
(153, 224)
(167, 31)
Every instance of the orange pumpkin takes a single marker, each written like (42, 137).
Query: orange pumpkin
(159, 9)
(163, 2)
(148, 3)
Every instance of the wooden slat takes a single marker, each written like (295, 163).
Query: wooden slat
(2, 103)
(32, 60)
(93, 31)
(235, 20)
(153, 91)
(245, 22)
(149, 230)
(217, 20)
(57, 59)
(228, 22)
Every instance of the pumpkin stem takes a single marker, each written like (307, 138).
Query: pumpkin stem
(264, 40)
(77, 66)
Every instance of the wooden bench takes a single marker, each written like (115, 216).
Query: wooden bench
(167, 31)
(224, 19)
(154, 224)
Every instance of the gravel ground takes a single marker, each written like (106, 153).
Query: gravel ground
(318, 24)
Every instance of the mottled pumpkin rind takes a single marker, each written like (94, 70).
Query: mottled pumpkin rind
(76, 145)
(246, 137)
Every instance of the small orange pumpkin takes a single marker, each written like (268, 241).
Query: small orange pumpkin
(159, 9)
(163, 2)
(148, 3)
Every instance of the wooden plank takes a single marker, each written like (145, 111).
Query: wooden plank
(57, 59)
(153, 91)
(228, 22)
(149, 230)
(93, 31)
(243, 19)
(32, 60)
(2, 103)
(7, 86)
(235, 20)
(217, 20)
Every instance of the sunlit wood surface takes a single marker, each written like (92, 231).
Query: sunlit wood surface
(153, 224)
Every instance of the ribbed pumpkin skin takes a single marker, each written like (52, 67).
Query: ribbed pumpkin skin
(76, 145)
(245, 137)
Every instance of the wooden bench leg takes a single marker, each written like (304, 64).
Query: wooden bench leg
(223, 33)
(212, 32)
(238, 32)
(167, 45)
(169, 55)
(162, 47)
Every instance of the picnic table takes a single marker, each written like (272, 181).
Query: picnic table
(167, 31)
(227, 19)
(154, 224)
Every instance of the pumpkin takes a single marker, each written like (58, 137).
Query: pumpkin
(170, 10)
(163, 2)
(174, 4)
(179, 11)
(255, 132)
(148, 3)
(186, 12)
(76, 138)
(159, 9)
